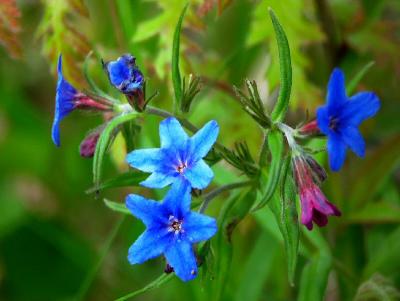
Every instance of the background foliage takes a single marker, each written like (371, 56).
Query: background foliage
(52, 233)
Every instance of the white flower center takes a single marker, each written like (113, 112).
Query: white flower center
(175, 225)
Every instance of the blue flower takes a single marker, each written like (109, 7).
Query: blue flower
(340, 117)
(65, 102)
(179, 158)
(124, 74)
(171, 229)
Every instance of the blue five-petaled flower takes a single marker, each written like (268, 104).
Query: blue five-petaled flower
(171, 229)
(180, 158)
(124, 74)
(340, 117)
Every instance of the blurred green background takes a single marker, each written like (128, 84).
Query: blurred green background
(52, 234)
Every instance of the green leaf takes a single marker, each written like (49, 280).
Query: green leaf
(176, 74)
(119, 207)
(283, 205)
(372, 174)
(314, 278)
(261, 263)
(375, 213)
(104, 141)
(164, 278)
(233, 211)
(282, 104)
(130, 178)
(386, 258)
(272, 176)
(351, 86)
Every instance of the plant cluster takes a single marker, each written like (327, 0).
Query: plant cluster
(285, 172)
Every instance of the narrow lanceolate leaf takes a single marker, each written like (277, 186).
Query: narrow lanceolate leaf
(269, 179)
(260, 263)
(103, 143)
(130, 178)
(164, 278)
(314, 278)
(283, 205)
(118, 207)
(352, 85)
(282, 104)
(176, 74)
(233, 211)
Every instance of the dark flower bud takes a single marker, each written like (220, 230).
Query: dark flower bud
(88, 145)
(168, 269)
(318, 172)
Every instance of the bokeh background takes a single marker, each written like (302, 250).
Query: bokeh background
(52, 233)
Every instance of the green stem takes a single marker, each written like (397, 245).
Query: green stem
(90, 277)
(212, 194)
(156, 283)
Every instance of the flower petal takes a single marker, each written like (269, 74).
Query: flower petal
(319, 218)
(204, 139)
(336, 95)
(323, 120)
(150, 212)
(181, 257)
(199, 227)
(199, 175)
(172, 133)
(152, 243)
(321, 203)
(361, 106)
(158, 180)
(353, 139)
(65, 94)
(55, 131)
(147, 160)
(306, 208)
(177, 200)
(336, 151)
(118, 71)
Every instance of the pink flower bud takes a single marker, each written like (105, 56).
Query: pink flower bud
(314, 205)
(88, 145)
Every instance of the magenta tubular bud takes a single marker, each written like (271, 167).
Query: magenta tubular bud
(315, 207)
(310, 128)
(82, 101)
(88, 145)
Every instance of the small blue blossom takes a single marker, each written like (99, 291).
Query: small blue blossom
(124, 74)
(340, 117)
(171, 229)
(179, 158)
(65, 102)
(68, 99)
